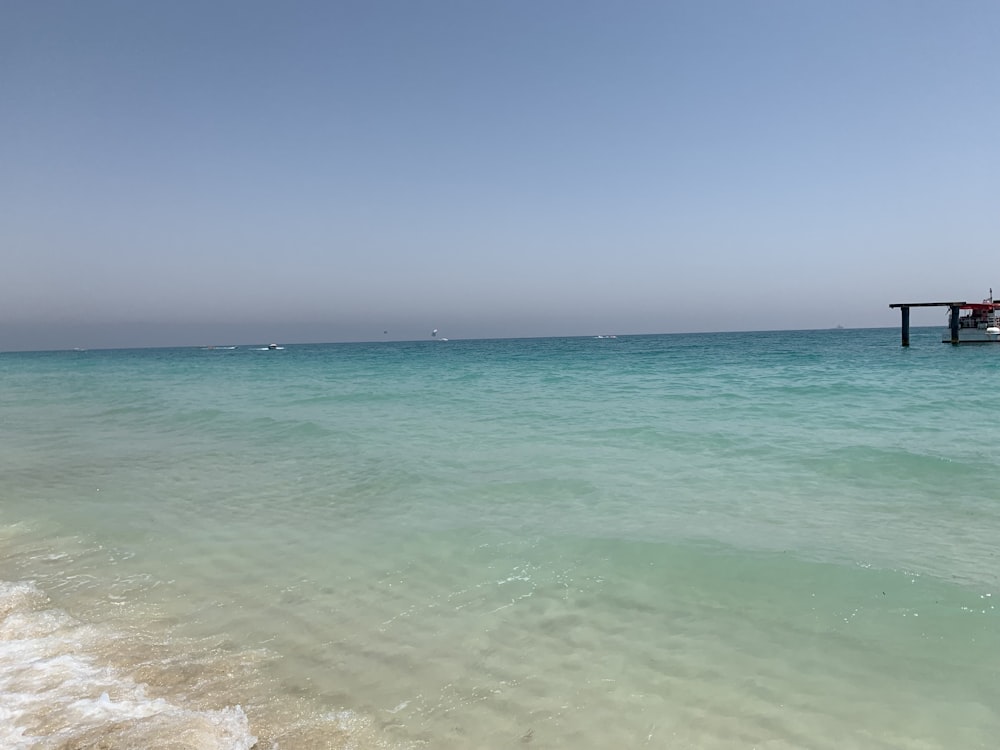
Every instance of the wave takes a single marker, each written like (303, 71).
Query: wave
(58, 688)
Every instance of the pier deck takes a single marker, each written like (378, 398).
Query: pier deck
(904, 309)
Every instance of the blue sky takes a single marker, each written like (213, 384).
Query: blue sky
(206, 172)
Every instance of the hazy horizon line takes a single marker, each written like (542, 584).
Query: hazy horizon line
(442, 339)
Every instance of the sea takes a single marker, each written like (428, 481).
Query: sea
(776, 540)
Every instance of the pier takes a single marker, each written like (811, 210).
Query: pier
(904, 309)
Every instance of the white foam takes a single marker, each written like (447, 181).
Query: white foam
(56, 689)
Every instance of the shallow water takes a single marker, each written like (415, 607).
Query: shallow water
(780, 540)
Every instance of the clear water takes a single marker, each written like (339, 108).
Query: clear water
(770, 540)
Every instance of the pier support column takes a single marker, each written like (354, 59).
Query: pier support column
(905, 327)
(953, 320)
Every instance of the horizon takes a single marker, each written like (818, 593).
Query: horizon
(292, 342)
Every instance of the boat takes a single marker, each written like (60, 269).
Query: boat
(978, 322)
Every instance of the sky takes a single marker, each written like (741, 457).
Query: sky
(180, 172)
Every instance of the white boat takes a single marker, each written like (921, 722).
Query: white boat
(978, 323)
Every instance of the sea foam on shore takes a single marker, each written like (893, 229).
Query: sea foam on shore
(59, 689)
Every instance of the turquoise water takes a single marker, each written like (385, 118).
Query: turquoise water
(764, 540)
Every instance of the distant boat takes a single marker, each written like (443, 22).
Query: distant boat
(272, 346)
(606, 336)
